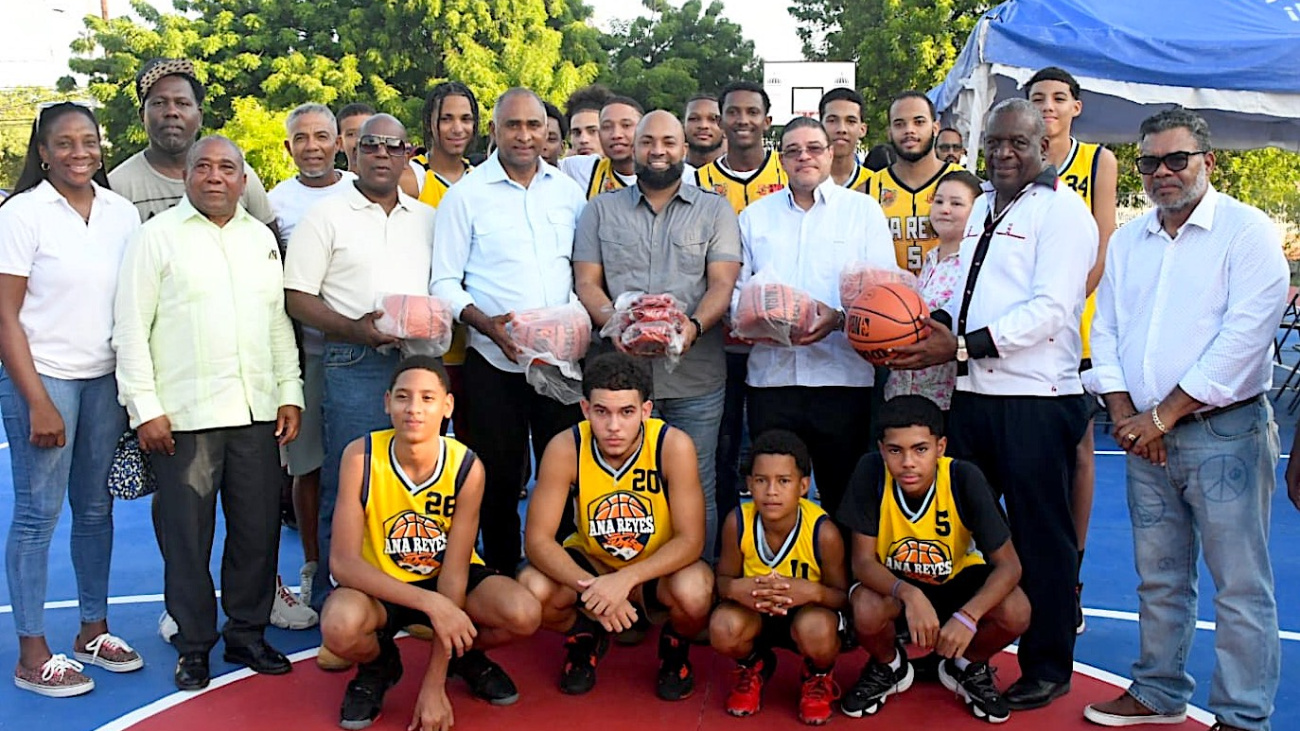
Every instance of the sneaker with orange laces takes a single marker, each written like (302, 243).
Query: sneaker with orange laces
(58, 677)
(746, 697)
(815, 698)
(676, 680)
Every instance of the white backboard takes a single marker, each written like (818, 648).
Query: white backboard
(796, 87)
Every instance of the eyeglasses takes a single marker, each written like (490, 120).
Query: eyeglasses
(370, 144)
(1175, 161)
(795, 153)
(949, 148)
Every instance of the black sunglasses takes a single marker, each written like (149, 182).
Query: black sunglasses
(370, 144)
(1175, 161)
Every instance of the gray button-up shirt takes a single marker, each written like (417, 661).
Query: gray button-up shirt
(664, 253)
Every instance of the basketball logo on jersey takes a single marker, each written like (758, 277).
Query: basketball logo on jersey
(415, 542)
(720, 189)
(609, 184)
(621, 523)
(770, 188)
(925, 561)
(887, 197)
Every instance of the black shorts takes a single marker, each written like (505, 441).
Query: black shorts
(653, 608)
(951, 595)
(400, 616)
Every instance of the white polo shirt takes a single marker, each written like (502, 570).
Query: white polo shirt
(71, 266)
(808, 250)
(291, 199)
(1029, 291)
(348, 251)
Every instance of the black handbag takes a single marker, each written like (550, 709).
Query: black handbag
(130, 476)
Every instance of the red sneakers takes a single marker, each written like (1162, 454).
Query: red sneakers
(746, 697)
(815, 698)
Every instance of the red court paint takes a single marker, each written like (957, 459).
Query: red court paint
(309, 698)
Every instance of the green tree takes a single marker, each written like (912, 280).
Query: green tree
(387, 52)
(664, 59)
(260, 134)
(897, 44)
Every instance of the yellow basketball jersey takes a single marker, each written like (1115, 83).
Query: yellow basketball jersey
(603, 178)
(908, 213)
(739, 192)
(1080, 172)
(932, 545)
(859, 176)
(407, 525)
(797, 558)
(621, 515)
(434, 188)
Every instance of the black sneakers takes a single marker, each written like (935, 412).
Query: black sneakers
(876, 683)
(486, 679)
(975, 686)
(582, 651)
(676, 680)
(364, 697)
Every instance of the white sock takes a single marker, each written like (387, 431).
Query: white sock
(897, 662)
(961, 663)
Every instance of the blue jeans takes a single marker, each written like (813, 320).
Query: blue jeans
(356, 378)
(92, 421)
(700, 417)
(1213, 498)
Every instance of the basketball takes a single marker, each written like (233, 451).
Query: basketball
(415, 316)
(416, 543)
(885, 316)
(619, 505)
(564, 332)
(773, 311)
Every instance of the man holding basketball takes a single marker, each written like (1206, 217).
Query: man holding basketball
(629, 556)
(1186, 314)
(1019, 407)
(807, 234)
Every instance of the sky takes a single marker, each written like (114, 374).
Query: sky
(35, 50)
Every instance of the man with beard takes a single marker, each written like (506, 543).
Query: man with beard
(171, 101)
(704, 139)
(906, 188)
(1186, 314)
(661, 236)
(370, 239)
(1019, 408)
(841, 113)
(949, 146)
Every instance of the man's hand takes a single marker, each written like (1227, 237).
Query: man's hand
(451, 625)
(620, 618)
(496, 332)
(922, 622)
(365, 333)
(953, 639)
(155, 436)
(939, 347)
(47, 425)
(602, 594)
(690, 333)
(1139, 435)
(287, 421)
(827, 322)
(432, 711)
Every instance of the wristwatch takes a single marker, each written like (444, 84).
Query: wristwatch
(699, 329)
(962, 355)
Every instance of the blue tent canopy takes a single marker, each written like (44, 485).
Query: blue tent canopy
(1235, 61)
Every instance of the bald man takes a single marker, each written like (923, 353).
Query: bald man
(370, 239)
(661, 236)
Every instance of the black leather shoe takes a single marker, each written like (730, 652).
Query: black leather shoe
(1028, 693)
(192, 671)
(259, 657)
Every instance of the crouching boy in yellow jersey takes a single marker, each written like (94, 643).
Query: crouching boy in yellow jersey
(400, 559)
(630, 555)
(782, 579)
(930, 547)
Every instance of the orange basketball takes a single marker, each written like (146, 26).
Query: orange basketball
(417, 316)
(619, 505)
(885, 316)
(426, 534)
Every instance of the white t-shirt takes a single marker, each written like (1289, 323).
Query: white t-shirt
(348, 251)
(71, 267)
(291, 200)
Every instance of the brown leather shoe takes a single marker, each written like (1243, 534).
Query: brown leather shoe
(1128, 711)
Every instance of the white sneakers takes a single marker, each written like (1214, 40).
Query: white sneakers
(167, 628)
(59, 677)
(111, 653)
(287, 612)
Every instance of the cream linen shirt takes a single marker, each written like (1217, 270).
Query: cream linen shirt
(200, 329)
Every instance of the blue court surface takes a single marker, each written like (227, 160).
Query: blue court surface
(1110, 597)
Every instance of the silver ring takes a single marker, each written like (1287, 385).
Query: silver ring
(1132, 437)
